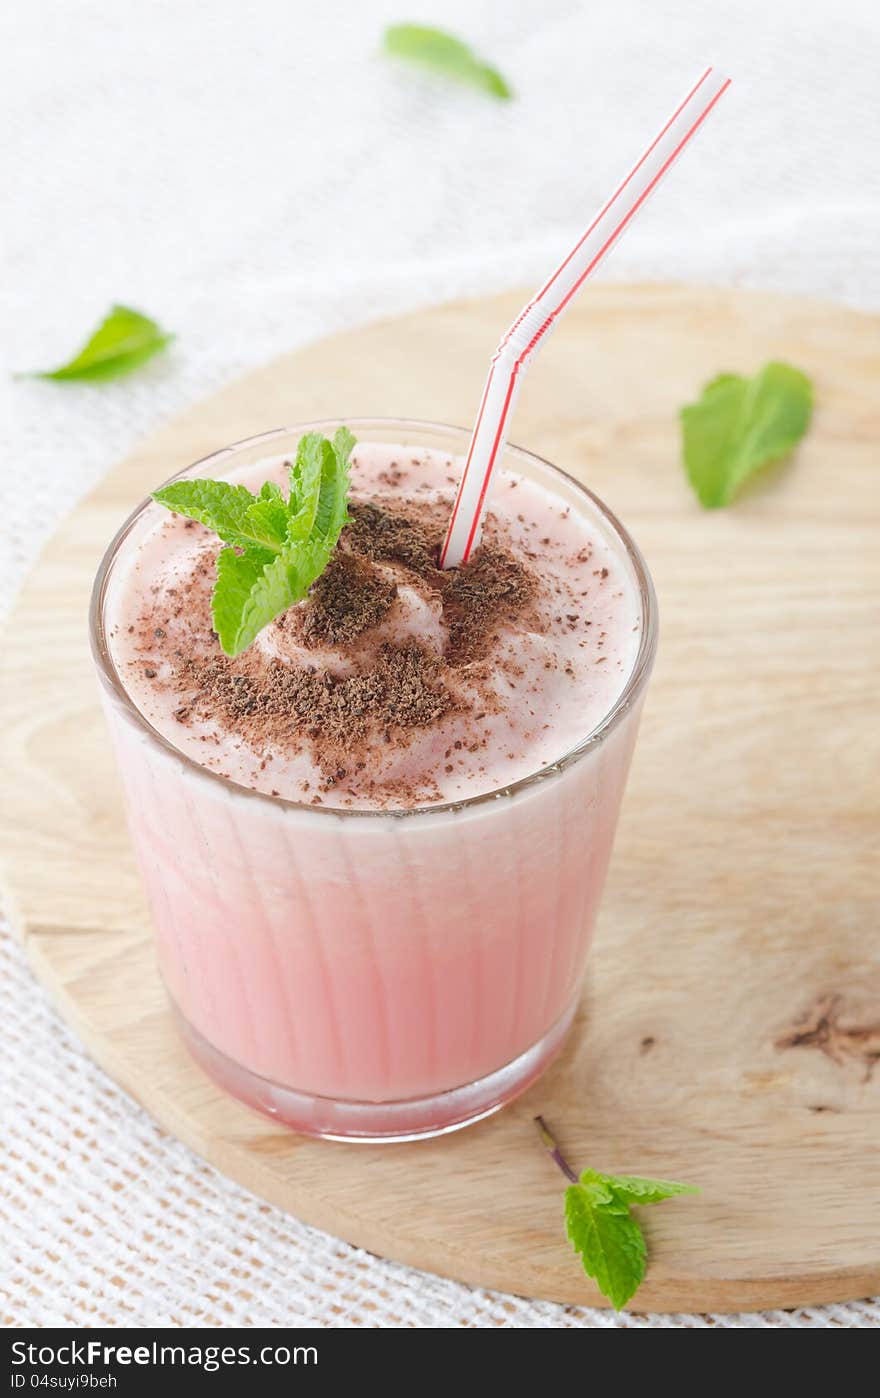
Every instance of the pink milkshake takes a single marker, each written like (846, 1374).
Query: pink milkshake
(374, 843)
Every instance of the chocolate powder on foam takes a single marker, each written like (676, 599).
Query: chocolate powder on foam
(412, 540)
(492, 588)
(401, 691)
(350, 597)
(394, 690)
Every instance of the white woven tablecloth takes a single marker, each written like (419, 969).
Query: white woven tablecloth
(254, 176)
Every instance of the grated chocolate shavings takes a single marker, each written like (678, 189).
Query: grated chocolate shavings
(389, 537)
(491, 588)
(270, 706)
(351, 596)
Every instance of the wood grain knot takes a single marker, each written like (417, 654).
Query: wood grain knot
(820, 1027)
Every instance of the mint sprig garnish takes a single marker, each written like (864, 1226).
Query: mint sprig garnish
(600, 1224)
(276, 547)
(124, 339)
(442, 52)
(739, 425)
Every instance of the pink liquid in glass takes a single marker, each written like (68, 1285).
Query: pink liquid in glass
(359, 971)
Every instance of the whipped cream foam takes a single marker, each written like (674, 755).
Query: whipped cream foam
(433, 688)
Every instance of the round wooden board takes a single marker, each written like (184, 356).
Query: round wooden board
(731, 1019)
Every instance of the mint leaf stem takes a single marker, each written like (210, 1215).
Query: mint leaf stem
(549, 1142)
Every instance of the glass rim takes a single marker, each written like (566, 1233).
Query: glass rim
(631, 691)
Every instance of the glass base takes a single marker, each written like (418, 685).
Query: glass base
(409, 1120)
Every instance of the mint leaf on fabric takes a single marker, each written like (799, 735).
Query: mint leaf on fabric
(739, 425)
(275, 547)
(443, 53)
(124, 339)
(602, 1230)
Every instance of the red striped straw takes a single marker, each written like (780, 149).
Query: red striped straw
(535, 320)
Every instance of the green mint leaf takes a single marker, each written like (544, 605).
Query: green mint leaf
(332, 512)
(442, 52)
(344, 443)
(739, 425)
(306, 475)
(276, 547)
(254, 587)
(267, 518)
(123, 340)
(240, 575)
(631, 1189)
(220, 506)
(610, 1243)
(601, 1228)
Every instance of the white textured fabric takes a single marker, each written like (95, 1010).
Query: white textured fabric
(256, 175)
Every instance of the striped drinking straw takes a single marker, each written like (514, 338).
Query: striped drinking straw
(536, 319)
